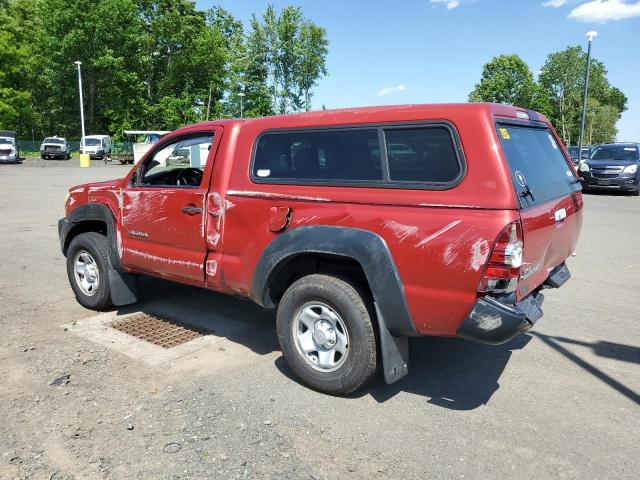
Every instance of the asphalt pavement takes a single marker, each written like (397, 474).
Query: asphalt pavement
(562, 401)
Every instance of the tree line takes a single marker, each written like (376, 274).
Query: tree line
(150, 64)
(557, 93)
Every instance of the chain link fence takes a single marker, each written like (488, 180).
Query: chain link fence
(31, 148)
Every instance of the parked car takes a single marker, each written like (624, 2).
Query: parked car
(55, 147)
(573, 151)
(454, 233)
(612, 166)
(9, 151)
(97, 146)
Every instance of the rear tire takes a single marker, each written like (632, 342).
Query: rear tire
(326, 334)
(88, 270)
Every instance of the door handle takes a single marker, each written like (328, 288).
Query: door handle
(191, 210)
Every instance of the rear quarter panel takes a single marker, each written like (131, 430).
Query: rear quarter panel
(439, 239)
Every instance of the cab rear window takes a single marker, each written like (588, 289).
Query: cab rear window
(539, 169)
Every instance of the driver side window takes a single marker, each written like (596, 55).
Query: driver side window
(178, 164)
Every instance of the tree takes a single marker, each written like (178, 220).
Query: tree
(149, 64)
(313, 49)
(245, 68)
(562, 78)
(295, 51)
(18, 25)
(508, 79)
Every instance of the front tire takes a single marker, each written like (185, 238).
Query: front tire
(326, 334)
(88, 270)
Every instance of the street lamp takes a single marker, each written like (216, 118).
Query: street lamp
(241, 95)
(200, 109)
(78, 63)
(590, 36)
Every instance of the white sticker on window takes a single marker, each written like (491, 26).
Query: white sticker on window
(631, 149)
(553, 142)
(264, 172)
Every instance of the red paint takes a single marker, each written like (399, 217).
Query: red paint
(439, 239)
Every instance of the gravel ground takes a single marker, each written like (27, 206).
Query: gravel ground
(561, 401)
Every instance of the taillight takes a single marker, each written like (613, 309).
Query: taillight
(502, 270)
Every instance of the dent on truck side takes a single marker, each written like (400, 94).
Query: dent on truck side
(365, 247)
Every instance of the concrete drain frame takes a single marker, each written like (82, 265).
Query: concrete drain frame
(161, 330)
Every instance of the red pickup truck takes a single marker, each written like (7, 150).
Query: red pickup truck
(362, 226)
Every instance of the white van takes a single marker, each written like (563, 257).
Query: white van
(97, 146)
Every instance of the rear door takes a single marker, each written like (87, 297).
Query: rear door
(549, 195)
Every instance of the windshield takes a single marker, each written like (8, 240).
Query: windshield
(54, 140)
(91, 142)
(539, 170)
(7, 140)
(615, 152)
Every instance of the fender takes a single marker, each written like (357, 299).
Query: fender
(365, 247)
(123, 286)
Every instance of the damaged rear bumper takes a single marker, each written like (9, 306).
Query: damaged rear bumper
(493, 322)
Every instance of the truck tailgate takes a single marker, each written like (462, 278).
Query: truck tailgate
(550, 233)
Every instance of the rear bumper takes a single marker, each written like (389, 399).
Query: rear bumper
(493, 322)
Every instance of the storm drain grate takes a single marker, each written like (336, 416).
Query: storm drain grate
(158, 329)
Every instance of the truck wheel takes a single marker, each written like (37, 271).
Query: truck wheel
(87, 269)
(326, 334)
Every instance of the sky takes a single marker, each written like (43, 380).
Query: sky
(432, 51)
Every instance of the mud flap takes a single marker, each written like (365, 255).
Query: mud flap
(123, 287)
(394, 351)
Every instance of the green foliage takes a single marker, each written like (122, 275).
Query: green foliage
(562, 78)
(508, 79)
(153, 64)
(294, 50)
(312, 50)
(557, 93)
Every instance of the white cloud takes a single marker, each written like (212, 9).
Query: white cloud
(387, 90)
(601, 11)
(555, 3)
(450, 4)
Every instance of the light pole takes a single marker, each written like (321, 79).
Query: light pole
(78, 63)
(241, 95)
(590, 36)
(200, 109)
